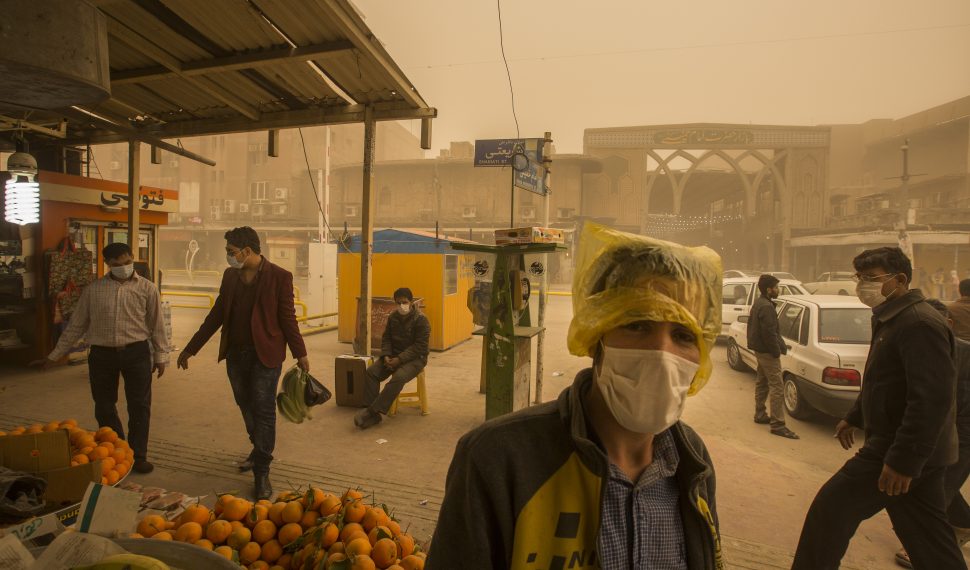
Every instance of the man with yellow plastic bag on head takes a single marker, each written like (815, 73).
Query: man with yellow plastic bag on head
(607, 476)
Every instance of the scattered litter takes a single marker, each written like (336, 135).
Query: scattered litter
(557, 373)
(381, 441)
(423, 502)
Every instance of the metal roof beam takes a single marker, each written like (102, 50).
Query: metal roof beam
(278, 120)
(344, 15)
(233, 62)
(147, 48)
(127, 133)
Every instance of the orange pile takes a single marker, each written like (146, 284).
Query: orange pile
(314, 529)
(104, 445)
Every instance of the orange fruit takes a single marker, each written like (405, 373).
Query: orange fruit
(349, 529)
(259, 565)
(151, 525)
(225, 552)
(362, 562)
(394, 526)
(249, 553)
(330, 505)
(205, 543)
(379, 532)
(373, 517)
(122, 444)
(359, 546)
(394, 567)
(164, 535)
(236, 509)
(239, 538)
(104, 480)
(86, 440)
(334, 558)
(384, 552)
(53, 426)
(354, 512)
(284, 561)
(264, 531)
(189, 532)
(98, 453)
(195, 513)
(275, 513)
(314, 498)
(309, 519)
(289, 533)
(118, 455)
(218, 531)
(80, 459)
(69, 422)
(236, 525)
(107, 464)
(86, 450)
(107, 445)
(405, 545)
(412, 562)
(122, 468)
(36, 428)
(222, 500)
(113, 477)
(351, 495)
(256, 514)
(329, 535)
(272, 551)
(292, 512)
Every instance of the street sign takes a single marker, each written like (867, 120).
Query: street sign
(498, 152)
(531, 179)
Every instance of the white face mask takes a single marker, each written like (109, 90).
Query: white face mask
(870, 293)
(645, 390)
(123, 271)
(404, 308)
(233, 262)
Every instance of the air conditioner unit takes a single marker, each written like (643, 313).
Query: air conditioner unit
(280, 194)
(351, 211)
(215, 213)
(279, 210)
(564, 213)
(243, 208)
(469, 212)
(528, 212)
(259, 210)
(115, 165)
(229, 206)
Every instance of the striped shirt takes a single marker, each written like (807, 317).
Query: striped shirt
(117, 313)
(641, 526)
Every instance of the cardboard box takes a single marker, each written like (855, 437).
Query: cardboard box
(350, 381)
(528, 235)
(48, 455)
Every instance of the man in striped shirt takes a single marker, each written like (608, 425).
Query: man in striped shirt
(120, 316)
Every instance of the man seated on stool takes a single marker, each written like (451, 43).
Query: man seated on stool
(404, 354)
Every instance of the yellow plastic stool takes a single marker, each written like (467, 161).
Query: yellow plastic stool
(413, 399)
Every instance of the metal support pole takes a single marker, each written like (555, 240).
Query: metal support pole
(543, 287)
(134, 198)
(362, 340)
(512, 200)
(326, 183)
(904, 241)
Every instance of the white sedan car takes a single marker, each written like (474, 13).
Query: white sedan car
(739, 294)
(828, 343)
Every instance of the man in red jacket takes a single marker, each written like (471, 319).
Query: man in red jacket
(255, 311)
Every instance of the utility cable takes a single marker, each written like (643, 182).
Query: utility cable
(341, 240)
(501, 42)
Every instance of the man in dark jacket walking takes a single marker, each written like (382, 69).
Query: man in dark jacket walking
(255, 311)
(404, 354)
(907, 410)
(768, 346)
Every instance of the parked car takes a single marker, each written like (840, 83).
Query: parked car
(753, 273)
(828, 343)
(740, 292)
(833, 283)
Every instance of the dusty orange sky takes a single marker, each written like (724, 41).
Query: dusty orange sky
(579, 64)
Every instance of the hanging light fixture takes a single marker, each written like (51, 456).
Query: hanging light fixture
(22, 193)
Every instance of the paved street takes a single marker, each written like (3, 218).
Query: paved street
(765, 483)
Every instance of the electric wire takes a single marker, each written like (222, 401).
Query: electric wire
(501, 42)
(343, 237)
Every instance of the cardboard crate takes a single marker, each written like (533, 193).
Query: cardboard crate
(350, 381)
(528, 235)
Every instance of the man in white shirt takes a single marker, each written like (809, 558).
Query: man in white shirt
(120, 316)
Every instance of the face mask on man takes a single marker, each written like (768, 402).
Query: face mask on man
(233, 262)
(870, 293)
(123, 271)
(404, 308)
(645, 390)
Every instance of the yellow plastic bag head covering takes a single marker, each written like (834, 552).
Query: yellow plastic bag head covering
(623, 278)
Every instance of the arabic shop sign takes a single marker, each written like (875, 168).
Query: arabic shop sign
(498, 152)
(531, 178)
(703, 136)
(152, 198)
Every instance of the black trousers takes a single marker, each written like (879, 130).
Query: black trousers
(254, 389)
(378, 373)
(852, 495)
(957, 510)
(134, 364)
